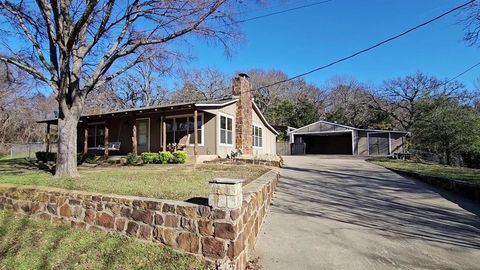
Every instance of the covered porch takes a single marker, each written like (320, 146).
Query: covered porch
(150, 129)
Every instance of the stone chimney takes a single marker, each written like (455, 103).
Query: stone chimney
(243, 124)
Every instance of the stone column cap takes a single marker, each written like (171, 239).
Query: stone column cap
(228, 181)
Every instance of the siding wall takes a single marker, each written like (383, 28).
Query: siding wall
(269, 145)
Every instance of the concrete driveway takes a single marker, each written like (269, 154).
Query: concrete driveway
(345, 213)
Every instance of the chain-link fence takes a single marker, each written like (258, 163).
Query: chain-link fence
(27, 150)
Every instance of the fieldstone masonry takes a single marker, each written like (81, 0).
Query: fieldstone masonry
(243, 120)
(222, 233)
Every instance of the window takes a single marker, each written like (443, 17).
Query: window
(142, 127)
(178, 128)
(257, 136)
(226, 130)
(96, 135)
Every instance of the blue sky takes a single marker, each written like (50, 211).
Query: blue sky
(300, 40)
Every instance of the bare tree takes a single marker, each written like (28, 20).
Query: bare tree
(103, 99)
(77, 46)
(141, 86)
(399, 97)
(210, 82)
(348, 103)
(20, 107)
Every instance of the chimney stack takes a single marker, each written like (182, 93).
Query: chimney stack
(243, 119)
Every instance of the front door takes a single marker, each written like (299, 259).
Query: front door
(143, 135)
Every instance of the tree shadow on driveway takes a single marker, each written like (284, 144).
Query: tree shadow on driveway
(379, 199)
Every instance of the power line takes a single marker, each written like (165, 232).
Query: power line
(462, 73)
(278, 12)
(370, 48)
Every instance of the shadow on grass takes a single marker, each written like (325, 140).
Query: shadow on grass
(22, 165)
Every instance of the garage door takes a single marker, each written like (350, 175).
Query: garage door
(338, 144)
(378, 144)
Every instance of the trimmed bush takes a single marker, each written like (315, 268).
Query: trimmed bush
(150, 157)
(46, 156)
(90, 158)
(180, 156)
(165, 157)
(132, 158)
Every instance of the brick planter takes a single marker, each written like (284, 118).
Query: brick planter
(222, 233)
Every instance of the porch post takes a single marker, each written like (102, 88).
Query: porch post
(47, 138)
(164, 135)
(195, 130)
(85, 140)
(105, 142)
(134, 138)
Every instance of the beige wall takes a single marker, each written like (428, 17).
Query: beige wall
(121, 130)
(269, 144)
(397, 141)
(230, 110)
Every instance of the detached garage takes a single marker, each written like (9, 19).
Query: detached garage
(324, 137)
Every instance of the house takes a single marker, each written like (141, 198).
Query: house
(207, 128)
(324, 137)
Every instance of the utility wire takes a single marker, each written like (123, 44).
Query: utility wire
(462, 73)
(278, 12)
(371, 47)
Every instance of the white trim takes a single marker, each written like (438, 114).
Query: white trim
(322, 132)
(253, 141)
(216, 105)
(220, 114)
(389, 143)
(347, 127)
(191, 115)
(259, 113)
(149, 135)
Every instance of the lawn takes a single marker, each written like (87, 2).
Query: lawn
(178, 182)
(34, 244)
(456, 173)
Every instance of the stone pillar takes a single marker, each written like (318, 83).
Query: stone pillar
(225, 193)
(134, 138)
(243, 116)
(226, 197)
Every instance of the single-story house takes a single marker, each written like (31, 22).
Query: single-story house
(324, 137)
(221, 126)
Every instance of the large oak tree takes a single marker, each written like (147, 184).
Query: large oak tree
(76, 46)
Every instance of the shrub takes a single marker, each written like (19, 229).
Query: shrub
(180, 156)
(132, 158)
(165, 157)
(46, 156)
(90, 158)
(150, 157)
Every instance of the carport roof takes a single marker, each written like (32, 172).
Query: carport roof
(344, 127)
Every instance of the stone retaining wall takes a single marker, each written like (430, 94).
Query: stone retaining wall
(463, 188)
(222, 233)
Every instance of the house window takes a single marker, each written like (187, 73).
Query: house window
(226, 130)
(96, 135)
(178, 129)
(257, 136)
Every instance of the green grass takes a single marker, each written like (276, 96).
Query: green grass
(33, 244)
(179, 182)
(456, 173)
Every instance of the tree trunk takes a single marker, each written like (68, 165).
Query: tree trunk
(67, 146)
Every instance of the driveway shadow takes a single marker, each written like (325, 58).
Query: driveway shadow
(379, 199)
